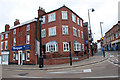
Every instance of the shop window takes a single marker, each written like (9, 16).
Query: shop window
(13, 56)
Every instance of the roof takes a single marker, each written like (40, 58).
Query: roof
(21, 24)
(111, 28)
(62, 7)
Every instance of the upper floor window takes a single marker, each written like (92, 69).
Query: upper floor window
(65, 46)
(6, 45)
(14, 41)
(2, 37)
(28, 39)
(52, 31)
(74, 31)
(43, 22)
(116, 35)
(64, 15)
(82, 33)
(14, 31)
(73, 18)
(119, 33)
(51, 17)
(1, 45)
(28, 27)
(78, 33)
(78, 21)
(65, 30)
(43, 33)
(81, 23)
(6, 36)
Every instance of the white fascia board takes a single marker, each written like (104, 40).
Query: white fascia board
(21, 24)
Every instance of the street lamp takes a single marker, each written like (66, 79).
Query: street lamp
(102, 39)
(40, 57)
(89, 27)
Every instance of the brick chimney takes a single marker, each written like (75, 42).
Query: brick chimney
(16, 22)
(7, 27)
(41, 11)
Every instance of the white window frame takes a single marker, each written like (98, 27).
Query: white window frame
(28, 39)
(78, 21)
(14, 31)
(43, 22)
(14, 41)
(81, 23)
(6, 45)
(64, 15)
(73, 18)
(74, 33)
(2, 37)
(28, 27)
(65, 46)
(116, 35)
(6, 36)
(82, 34)
(43, 33)
(1, 45)
(48, 47)
(23, 56)
(52, 17)
(78, 33)
(77, 46)
(65, 30)
(52, 31)
(27, 56)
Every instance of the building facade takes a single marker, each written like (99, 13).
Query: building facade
(112, 38)
(62, 34)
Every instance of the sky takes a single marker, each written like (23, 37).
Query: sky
(106, 11)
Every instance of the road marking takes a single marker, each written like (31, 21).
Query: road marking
(87, 70)
(100, 77)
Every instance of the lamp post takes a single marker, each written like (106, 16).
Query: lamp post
(102, 39)
(89, 27)
(70, 54)
(40, 57)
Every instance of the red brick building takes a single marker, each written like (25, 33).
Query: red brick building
(62, 29)
(112, 38)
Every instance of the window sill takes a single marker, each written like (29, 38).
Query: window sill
(52, 35)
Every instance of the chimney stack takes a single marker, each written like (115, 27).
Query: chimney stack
(41, 11)
(16, 22)
(7, 27)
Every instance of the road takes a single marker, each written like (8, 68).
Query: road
(99, 70)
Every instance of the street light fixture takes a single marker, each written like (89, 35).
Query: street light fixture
(89, 27)
(40, 57)
(102, 39)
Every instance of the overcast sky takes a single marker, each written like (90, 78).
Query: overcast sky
(105, 11)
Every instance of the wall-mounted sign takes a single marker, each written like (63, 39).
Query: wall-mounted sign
(23, 47)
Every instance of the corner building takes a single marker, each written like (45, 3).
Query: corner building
(62, 30)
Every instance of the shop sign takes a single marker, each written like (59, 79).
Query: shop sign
(23, 47)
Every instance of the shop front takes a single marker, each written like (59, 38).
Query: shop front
(5, 57)
(20, 55)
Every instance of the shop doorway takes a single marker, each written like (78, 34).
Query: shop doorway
(20, 61)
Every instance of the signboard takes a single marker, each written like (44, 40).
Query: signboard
(23, 47)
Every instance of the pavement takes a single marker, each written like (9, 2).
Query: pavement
(98, 57)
